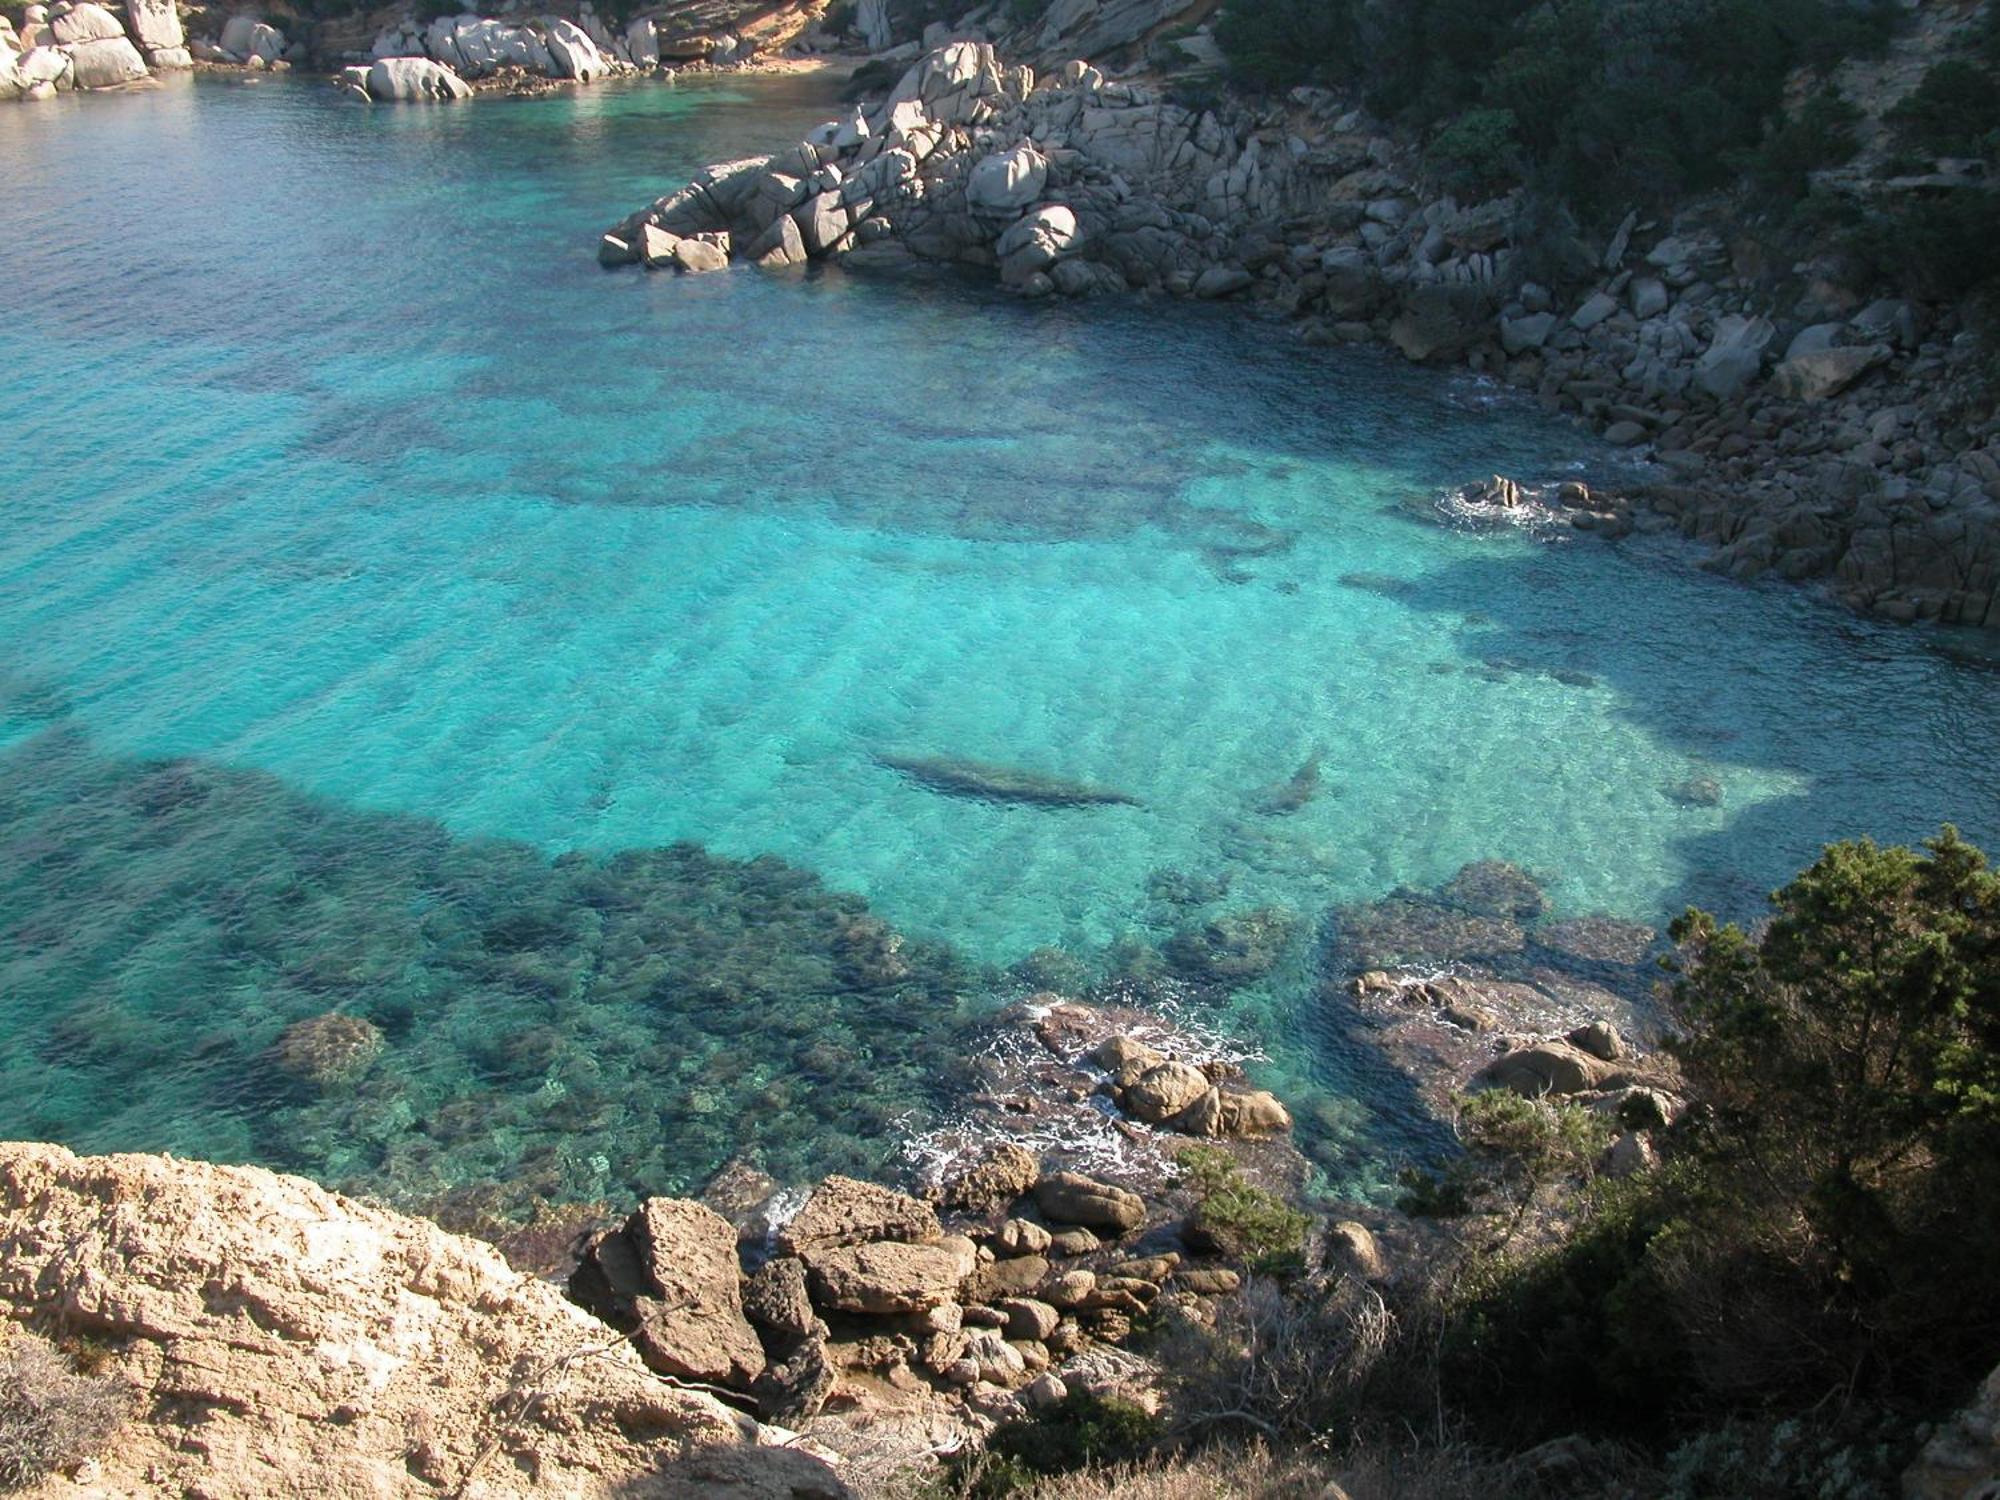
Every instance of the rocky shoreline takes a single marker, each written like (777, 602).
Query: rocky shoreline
(759, 1340)
(1804, 431)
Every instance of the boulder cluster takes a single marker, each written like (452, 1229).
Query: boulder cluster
(972, 1299)
(1812, 439)
(75, 44)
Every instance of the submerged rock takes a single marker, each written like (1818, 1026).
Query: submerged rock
(1234, 949)
(1495, 888)
(1408, 928)
(329, 1049)
(1292, 794)
(968, 778)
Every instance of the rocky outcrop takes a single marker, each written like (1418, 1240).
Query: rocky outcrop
(285, 1340)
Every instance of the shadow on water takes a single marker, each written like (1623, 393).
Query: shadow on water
(567, 1029)
(1868, 727)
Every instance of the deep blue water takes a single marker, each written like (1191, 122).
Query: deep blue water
(381, 581)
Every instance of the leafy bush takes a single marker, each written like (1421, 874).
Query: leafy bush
(1279, 43)
(1614, 101)
(1477, 155)
(1237, 1217)
(1821, 135)
(51, 1417)
(1080, 1430)
(1955, 111)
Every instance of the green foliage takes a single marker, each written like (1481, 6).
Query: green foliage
(1476, 155)
(1279, 43)
(1858, 1456)
(1516, 1150)
(1820, 135)
(1080, 1430)
(1942, 248)
(1237, 1217)
(1955, 111)
(1613, 101)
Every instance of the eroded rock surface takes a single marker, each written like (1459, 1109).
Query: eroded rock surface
(286, 1340)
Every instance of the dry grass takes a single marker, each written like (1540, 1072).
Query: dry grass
(51, 1417)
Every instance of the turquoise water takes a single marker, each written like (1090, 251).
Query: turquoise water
(385, 588)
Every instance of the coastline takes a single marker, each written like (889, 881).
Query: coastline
(1824, 444)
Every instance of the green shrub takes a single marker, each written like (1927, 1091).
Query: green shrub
(1955, 111)
(1279, 43)
(1820, 135)
(1079, 1431)
(1238, 1218)
(1476, 155)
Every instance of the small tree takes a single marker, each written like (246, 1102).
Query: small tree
(1849, 1061)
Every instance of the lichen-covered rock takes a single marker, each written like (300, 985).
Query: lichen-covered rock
(286, 1340)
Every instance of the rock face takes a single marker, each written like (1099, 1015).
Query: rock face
(890, 1277)
(1962, 1459)
(285, 1340)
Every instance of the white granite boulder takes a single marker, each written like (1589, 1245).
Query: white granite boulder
(1007, 181)
(574, 54)
(106, 62)
(85, 23)
(155, 25)
(414, 79)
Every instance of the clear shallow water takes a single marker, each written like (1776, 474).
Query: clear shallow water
(341, 476)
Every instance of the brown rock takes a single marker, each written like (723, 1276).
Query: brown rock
(1120, 1055)
(1164, 1091)
(1253, 1115)
(1207, 1281)
(1544, 1068)
(993, 1182)
(1028, 1318)
(890, 1277)
(1073, 1198)
(1022, 1237)
(845, 1211)
(692, 1325)
(328, 1050)
(246, 1307)
(1007, 1278)
(1071, 1289)
(1351, 1246)
(777, 1302)
(1069, 1242)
